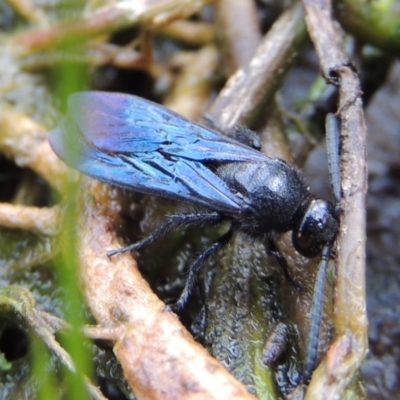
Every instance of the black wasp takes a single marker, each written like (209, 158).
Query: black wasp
(136, 144)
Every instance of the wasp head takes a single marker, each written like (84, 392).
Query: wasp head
(315, 226)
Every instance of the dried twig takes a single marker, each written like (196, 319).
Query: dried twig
(249, 90)
(239, 41)
(159, 357)
(106, 20)
(40, 220)
(25, 141)
(190, 94)
(194, 33)
(350, 307)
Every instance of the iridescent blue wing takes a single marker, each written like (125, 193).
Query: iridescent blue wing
(130, 124)
(133, 143)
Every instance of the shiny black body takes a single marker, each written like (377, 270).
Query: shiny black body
(136, 144)
(272, 193)
(133, 143)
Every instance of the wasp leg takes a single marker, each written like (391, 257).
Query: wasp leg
(240, 133)
(274, 252)
(196, 268)
(173, 221)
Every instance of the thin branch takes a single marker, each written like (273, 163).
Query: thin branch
(40, 220)
(160, 359)
(252, 87)
(25, 141)
(350, 308)
(239, 41)
(105, 20)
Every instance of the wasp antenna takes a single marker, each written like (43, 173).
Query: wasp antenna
(316, 314)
